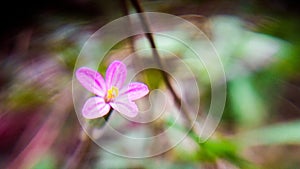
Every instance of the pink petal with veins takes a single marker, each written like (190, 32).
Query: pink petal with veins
(95, 107)
(116, 74)
(125, 106)
(91, 80)
(135, 90)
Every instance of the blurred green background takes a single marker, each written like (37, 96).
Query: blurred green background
(258, 43)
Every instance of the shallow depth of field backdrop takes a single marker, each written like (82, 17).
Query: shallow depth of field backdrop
(258, 44)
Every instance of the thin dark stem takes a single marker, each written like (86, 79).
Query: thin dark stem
(125, 10)
(137, 62)
(136, 4)
(106, 117)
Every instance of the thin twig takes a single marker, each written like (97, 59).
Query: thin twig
(125, 9)
(137, 61)
(136, 4)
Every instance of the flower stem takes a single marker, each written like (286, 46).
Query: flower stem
(106, 117)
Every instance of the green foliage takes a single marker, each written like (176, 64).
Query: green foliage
(46, 162)
(248, 107)
(284, 133)
(153, 78)
(215, 148)
(25, 97)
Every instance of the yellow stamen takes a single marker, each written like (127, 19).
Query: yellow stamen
(112, 93)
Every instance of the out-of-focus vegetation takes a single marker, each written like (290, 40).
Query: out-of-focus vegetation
(258, 43)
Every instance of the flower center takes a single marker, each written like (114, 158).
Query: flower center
(112, 93)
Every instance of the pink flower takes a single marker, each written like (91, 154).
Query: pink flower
(110, 92)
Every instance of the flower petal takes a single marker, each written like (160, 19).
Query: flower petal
(95, 107)
(125, 106)
(91, 80)
(136, 90)
(116, 74)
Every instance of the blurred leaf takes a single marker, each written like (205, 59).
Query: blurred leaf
(248, 107)
(285, 133)
(288, 61)
(47, 162)
(153, 78)
(69, 56)
(243, 51)
(213, 149)
(26, 97)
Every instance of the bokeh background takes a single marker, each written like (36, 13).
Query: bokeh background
(258, 42)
